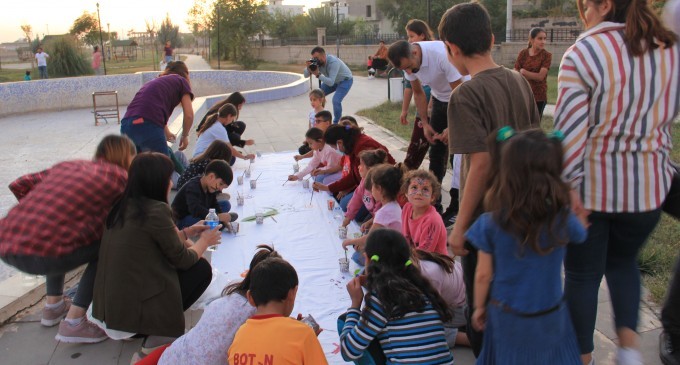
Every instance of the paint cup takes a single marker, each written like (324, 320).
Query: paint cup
(305, 184)
(342, 232)
(253, 184)
(311, 322)
(259, 217)
(248, 173)
(331, 204)
(252, 159)
(296, 168)
(239, 179)
(344, 264)
(258, 154)
(357, 235)
(235, 226)
(240, 200)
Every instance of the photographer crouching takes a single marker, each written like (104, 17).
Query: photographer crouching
(334, 75)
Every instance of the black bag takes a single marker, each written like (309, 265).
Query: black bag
(672, 203)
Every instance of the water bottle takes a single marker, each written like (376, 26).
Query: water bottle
(211, 219)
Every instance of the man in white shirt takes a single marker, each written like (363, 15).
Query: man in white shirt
(42, 62)
(426, 63)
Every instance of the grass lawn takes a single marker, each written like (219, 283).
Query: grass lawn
(283, 67)
(659, 254)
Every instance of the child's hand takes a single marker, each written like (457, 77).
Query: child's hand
(210, 237)
(479, 319)
(316, 172)
(366, 226)
(297, 157)
(341, 194)
(250, 156)
(356, 292)
(292, 178)
(346, 243)
(403, 118)
(346, 221)
(320, 187)
(196, 229)
(250, 142)
(578, 209)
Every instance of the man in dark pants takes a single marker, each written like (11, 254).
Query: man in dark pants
(669, 341)
(426, 63)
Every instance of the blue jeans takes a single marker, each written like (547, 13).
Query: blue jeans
(341, 89)
(611, 249)
(190, 220)
(362, 214)
(43, 72)
(147, 136)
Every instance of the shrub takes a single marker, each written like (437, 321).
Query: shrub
(65, 59)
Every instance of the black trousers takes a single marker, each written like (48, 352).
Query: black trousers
(670, 314)
(194, 281)
(469, 266)
(439, 152)
(235, 131)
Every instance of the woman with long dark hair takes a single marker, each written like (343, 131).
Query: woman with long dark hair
(619, 92)
(149, 271)
(533, 63)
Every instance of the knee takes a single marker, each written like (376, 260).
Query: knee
(203, 270)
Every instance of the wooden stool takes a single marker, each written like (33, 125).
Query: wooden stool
(104, 112)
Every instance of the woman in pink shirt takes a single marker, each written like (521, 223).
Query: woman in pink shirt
(362, 196)
(325, 164)
(421, 224)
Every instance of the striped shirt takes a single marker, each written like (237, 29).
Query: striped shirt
(615, 111)
(415, 338)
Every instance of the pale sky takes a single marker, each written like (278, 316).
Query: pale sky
(57, 16)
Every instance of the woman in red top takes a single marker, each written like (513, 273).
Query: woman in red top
(349, 140)
(533, 63)
(57, 226)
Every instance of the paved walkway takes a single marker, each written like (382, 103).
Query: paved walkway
(275, 126)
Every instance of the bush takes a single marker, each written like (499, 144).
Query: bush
(66, 60)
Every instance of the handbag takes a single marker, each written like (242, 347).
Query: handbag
(672, 203)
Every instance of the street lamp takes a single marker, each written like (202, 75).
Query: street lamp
(429, 15)
(101, 41)
(337, 28)
(108, 35)
(218, 36)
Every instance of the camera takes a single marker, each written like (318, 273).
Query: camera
(313, 64)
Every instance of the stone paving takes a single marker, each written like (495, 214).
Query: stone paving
(35, 141)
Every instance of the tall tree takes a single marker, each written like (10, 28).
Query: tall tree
(169, 32)
(239, 20)
(28, 32)
(400, 12)
(86, 29)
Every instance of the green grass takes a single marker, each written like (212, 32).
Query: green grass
(552, 85)
(657, 257)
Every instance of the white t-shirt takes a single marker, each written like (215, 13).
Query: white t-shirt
(216, 131)
(42, 58)
(312, 118)
(435, 70)
(389, 216)
(209, 342)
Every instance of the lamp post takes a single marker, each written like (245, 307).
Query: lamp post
(337, 28)
(429, 15)
(101, 40)
(218, 36)
(108, 35)
(508, 22)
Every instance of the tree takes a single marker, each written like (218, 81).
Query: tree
(400, 12)
(169, 32)
(239, 20)
(280, 25)
(322, 17)
(86, 29)
(28, 32)
(65, 59)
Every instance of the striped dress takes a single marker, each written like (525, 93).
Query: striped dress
(416, 338)
(616, 111)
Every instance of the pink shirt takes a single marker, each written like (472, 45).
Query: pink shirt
(361, 196)
(389, 215)
(427, 233)
(327, 157)
(449, 285)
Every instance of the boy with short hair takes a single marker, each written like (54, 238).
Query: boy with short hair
(198, 195)
(495, 97)
(322, 120)
(271, 336)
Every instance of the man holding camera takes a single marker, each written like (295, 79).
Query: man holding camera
(335, 77)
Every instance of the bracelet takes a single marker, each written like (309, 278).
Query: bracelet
(185, 135)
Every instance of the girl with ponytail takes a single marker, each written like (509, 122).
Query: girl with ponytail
(214, 129)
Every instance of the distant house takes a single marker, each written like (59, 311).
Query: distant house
(274, 6)
(362, 9)
(124, 50)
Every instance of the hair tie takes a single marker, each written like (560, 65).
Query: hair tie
(556, 134)
(375, 258)
(408, 263)
(347, 127)
(505, 133)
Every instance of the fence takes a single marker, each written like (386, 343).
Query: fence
(568, 35)
(353, 40)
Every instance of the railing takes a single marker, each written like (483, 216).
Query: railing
(355, 39)
(553, 35)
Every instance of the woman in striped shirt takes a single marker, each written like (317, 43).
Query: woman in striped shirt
(618, 94)
(402, 310)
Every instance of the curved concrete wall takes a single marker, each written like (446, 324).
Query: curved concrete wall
(76, 92)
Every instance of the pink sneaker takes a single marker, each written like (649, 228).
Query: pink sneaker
(52, 316)
(85, 332)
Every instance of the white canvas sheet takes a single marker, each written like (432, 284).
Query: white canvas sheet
(305, 234)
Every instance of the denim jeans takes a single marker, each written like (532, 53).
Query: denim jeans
(373, 355)
(55, 269)
(341, 89)
(611, 249)
(361, 215)
(190, 220)
(43, 72)
(147, 136)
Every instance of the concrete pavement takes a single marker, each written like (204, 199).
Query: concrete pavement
(275, 126)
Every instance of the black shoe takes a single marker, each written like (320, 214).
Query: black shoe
(669, 349)
(450, 219)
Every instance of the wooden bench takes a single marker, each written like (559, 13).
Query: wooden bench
(104, 112)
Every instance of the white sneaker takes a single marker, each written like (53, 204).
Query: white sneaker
(628, 356)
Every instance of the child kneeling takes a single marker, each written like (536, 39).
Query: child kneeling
(271, 336)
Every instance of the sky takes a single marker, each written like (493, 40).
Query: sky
(57, 16)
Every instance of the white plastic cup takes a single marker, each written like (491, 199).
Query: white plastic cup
(259, 217)
(342, 232)
(344, 264)
(305, 184)
(253, 184)
(235, 226)
(240, 200)
(296, 168)
(248, 173)
(239, 179)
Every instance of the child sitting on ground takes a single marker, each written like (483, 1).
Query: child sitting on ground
(27, 76)
(218, 150)
(384, 184)
(362, 203)
(403, 315)
(421, 224)
(271, 334)
(322, 120)
(325, 165)
(345, 161)
(198, 195)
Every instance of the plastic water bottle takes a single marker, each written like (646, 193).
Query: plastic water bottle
(211, 219)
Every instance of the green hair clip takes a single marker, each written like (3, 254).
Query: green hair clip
(556, 134)
(504, 133)
(408, 263)
(375, 258)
